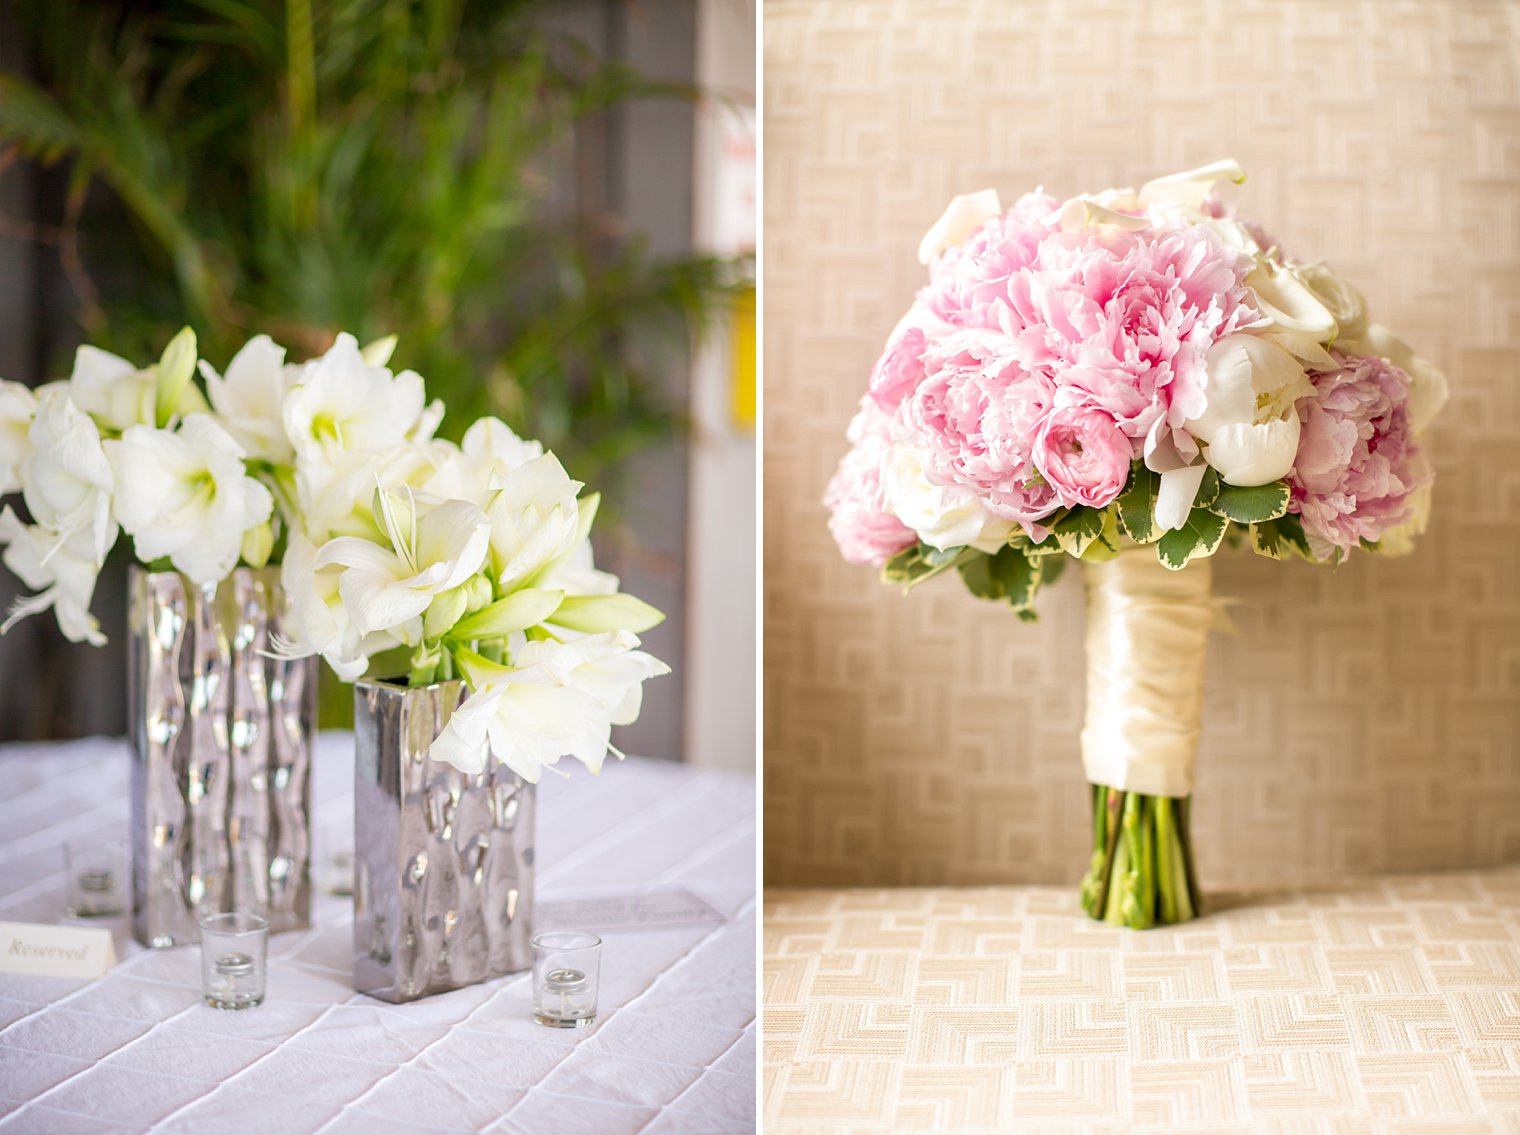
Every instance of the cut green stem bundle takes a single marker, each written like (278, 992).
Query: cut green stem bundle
(1142, 864)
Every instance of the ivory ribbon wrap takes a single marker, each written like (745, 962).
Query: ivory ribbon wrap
(1147, 631)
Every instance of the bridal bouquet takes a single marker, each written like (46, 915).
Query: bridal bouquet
(396, 548)
(1131, 380)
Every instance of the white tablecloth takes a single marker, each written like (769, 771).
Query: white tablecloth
(672, 1051)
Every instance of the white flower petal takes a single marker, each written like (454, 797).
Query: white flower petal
(963, 216)
(1174, 500)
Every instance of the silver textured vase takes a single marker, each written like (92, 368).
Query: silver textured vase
(443, 862)
(222, 740)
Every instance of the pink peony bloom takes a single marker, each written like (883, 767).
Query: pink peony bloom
(863, 528)
(1357, 461)
(900, 369)
(1083, 454)
(975, 418)
(1125, 318)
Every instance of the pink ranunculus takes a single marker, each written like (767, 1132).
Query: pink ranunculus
(900, 369)
(862, 527)
(1083, 454)
(1357, 461)
(975, 418)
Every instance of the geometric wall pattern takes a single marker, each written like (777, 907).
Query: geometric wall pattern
(1361, 720)
(1388, 1006)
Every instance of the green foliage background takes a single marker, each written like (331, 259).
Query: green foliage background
(377, 166)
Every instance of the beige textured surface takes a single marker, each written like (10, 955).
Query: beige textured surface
(1382, 1006)
(1362, 720)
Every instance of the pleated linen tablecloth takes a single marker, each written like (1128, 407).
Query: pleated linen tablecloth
(672, 1051)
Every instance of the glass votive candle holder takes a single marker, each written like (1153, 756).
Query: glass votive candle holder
(566, 969)
(234, 957)
(100, 878)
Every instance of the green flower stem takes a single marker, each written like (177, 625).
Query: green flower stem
(1141, 873)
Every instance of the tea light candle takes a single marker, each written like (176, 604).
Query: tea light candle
(233, 952)
(565, 966)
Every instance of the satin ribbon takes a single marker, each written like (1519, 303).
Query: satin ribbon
(1147, 634)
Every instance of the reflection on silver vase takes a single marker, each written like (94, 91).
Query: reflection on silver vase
(443, 887)
(221, 772)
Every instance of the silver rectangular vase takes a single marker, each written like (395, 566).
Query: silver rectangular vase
(443, 862)
(222, 740)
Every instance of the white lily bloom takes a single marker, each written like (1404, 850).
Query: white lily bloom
(345, 405)
(431, 550)
(251, 396)
(186, 494)
(943, 516)
(18, 405)
(61, 572)
(963, 216)
(557, 700)
(1188, 189)
(67, 481)
(535, 520)
(111, 390)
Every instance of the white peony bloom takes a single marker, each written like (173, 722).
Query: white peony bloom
(963, 216)
(943, 516)
(185, 494)
(535, 520)
(431, 550)
(1344, 303)
(61, 572)
(1250, 425)
(67, 481)
(344, 405)
(559, 699)
(18, 405)
(250, 398)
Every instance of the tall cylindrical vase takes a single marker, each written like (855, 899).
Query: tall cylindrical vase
(222, 737)
(443, 861)
(1147, 636)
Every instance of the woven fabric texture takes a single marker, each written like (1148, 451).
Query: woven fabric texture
(1387, 1006)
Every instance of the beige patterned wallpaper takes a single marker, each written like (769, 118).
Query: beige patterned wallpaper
(1361, 720)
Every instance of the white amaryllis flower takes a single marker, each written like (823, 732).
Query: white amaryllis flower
(960, 219)
(62, 572)
(318, 620)
(336, 498)
(473, 469)
(943, 516)
(111, 390)
(18, 405)
(250, 398)
(185, 494)
(430, 550)
(535, 520)
(557, 699)
(67, 480)
(344, 405)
